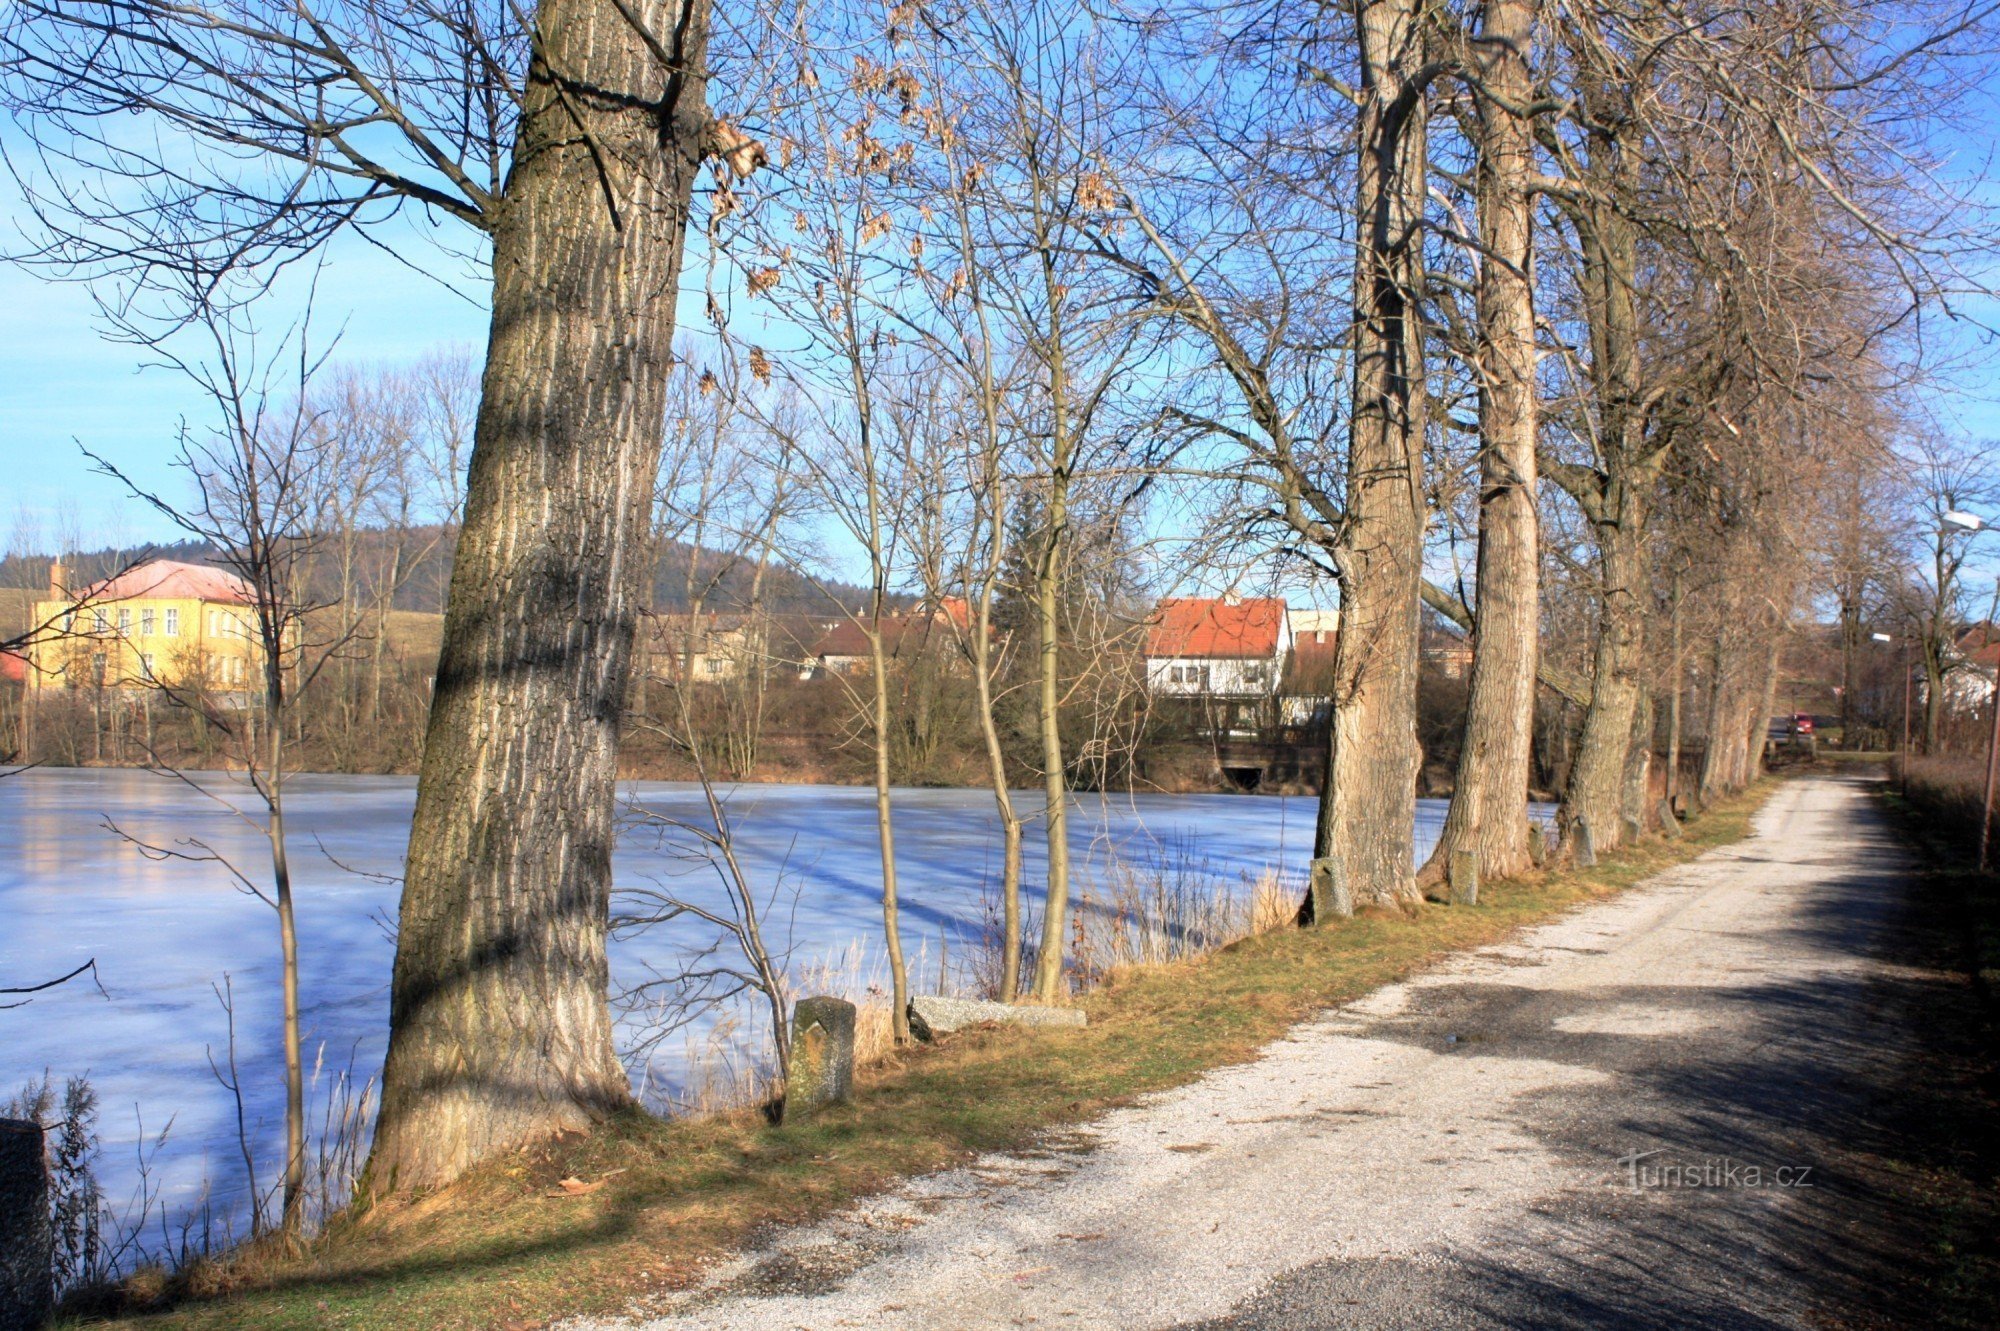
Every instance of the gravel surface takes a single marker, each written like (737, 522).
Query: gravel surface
(1629, 1117)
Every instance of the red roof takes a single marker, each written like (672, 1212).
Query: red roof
(170, 578)
(1980, 644)
(1214, 628)
(850, 638)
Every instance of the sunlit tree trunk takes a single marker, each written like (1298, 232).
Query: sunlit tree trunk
(1489, 804)
(1367, 818)
(500, 1030)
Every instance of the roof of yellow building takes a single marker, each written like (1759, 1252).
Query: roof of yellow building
(168, 578)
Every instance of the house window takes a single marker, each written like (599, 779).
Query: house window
(1257, 672)
(173, 628)
(145, 623)
(124, 621)
(146, 664)
(715, 665)
(97, 666)
(100, 621)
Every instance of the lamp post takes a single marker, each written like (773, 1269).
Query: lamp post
(1903, 754)
(1971, 524)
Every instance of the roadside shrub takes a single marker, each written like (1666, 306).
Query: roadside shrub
(1949, 791)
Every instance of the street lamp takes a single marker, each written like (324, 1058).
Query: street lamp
(1903, 762)
(1972, 523)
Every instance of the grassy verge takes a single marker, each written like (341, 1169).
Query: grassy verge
(668, 1197)
(1949, 1172)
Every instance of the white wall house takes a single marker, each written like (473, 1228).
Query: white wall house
(1218, 647)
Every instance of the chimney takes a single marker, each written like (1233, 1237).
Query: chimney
(58, 580)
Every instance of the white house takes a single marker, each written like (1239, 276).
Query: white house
(1218, 647)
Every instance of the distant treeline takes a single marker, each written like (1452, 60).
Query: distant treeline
(785, 590)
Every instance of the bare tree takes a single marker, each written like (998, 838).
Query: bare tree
(1489, 799)
(568, 140)
(258, 475)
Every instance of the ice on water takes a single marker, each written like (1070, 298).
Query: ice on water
(166, 933)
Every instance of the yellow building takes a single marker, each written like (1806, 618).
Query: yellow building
(161, 624)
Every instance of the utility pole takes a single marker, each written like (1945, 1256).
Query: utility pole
(1992, 746)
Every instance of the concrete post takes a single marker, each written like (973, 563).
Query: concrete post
(1465, 877)
(1331, 897)
(1586, 845)
(822, 1065)
(27, 1244)
(1669, 824)
(1538, 845)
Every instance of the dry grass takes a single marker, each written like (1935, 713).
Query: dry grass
(1949, 792)
(497, 1250)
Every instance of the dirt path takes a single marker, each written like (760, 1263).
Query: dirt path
(1639, 1115)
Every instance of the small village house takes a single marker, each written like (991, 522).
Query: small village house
(710, 647)
(919, 633)
(1973, 666)
(1307, 692)
(160, 624)
(1223, 647)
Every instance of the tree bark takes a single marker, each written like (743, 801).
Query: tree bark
(1679, 687)
(1597, 778)
(1637, 808)
(1489, 803)
(500, 1032)
(1055, 776)
(1367, 816)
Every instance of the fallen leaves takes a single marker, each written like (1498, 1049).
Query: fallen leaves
(576, 1187)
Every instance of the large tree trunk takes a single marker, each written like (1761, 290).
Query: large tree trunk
(1759, 720)
(1489, 803)
(1367, 818)
(1637, 809)
(1678, 687)
(1597, 778)
(500, 1032)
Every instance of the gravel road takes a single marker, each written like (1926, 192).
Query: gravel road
(1638, 1115)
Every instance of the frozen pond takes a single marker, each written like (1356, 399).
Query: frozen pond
(165, 934)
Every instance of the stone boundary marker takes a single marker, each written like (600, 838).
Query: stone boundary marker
(1327, 885)
(822, 1065)
(1669, 824)
(1585, 845)
(27, 1245)
(1464, 878)
(932, 1015)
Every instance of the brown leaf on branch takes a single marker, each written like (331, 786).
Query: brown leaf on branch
(742, 153)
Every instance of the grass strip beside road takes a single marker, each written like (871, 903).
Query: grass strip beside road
(670, 1197)
(1940, 1154)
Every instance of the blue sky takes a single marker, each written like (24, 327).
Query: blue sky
(62, 384)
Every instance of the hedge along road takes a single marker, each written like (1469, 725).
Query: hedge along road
(1643, 1114)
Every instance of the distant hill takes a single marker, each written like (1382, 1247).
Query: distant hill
(25, 578)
